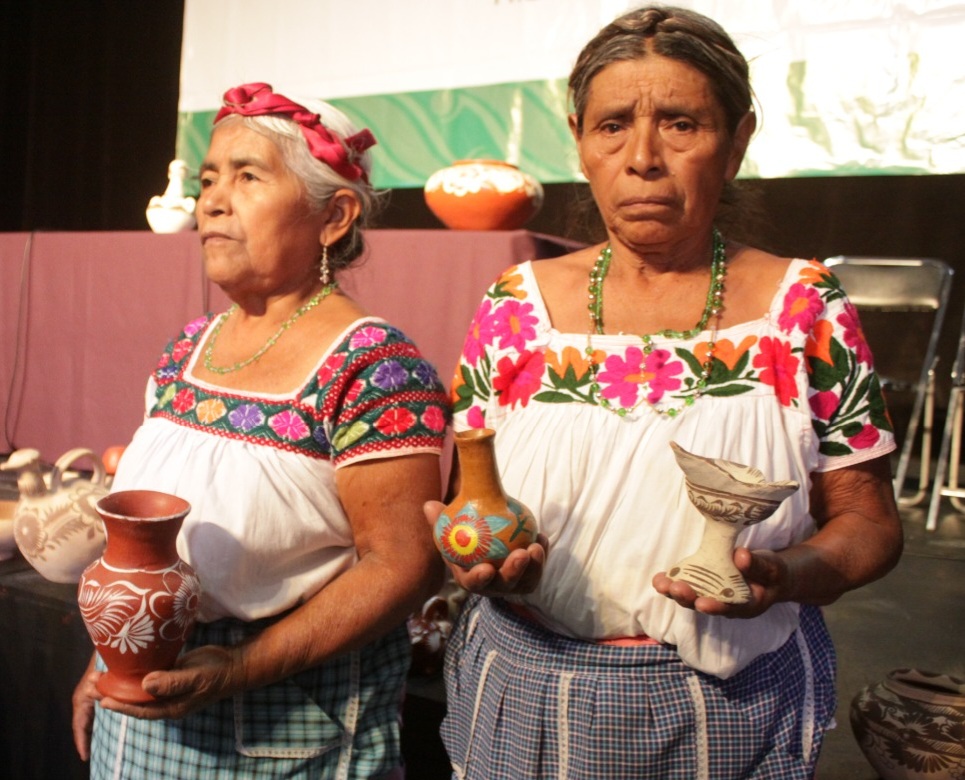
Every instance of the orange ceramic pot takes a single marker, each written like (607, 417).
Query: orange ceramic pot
(483, 195)
(139, 600)
(481, 524)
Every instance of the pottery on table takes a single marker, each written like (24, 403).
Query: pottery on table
(139, 600)
(57, 528)
(911, 725)
(483, 195)
(173, 212)
(8, 545)
(481, 523)
(730, 496)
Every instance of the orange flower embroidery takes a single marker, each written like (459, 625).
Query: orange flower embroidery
(818, 344)
(571, 357)
(725, 351)
(814, 272)
(211, 410)
(510, 282)
(457, 382)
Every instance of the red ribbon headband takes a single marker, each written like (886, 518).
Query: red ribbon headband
(257, 99)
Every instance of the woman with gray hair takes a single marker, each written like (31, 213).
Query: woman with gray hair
(305, 434)
(582, 658)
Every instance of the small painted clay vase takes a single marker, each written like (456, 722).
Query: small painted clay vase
(56, 526)
(911, 725)
(139, 600)
(483, 195)
(730, 496)
(481, 523)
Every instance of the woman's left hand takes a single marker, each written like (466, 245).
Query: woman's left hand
(764, 571)
(200, 677)
(859, 539)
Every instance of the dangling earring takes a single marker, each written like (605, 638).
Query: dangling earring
(324, 272)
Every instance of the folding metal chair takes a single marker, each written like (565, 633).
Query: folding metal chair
(896, 298)
(950, 454)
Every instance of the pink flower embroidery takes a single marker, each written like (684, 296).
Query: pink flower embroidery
(778, 368)
(183, 401)
(288, 425)
(369, 336)
(514, 324)
(854, 335)
(195, 325)
(481, 333)
(518, 380)
(475, 417)
(661, 374)
(623, 376)
(867, 438)
(434, 419)
(802, 307)
(824, 404)
(397, 420)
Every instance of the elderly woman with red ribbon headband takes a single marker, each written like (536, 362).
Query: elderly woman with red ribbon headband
(306, 436)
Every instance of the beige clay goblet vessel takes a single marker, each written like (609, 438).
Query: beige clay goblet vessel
(730, 496)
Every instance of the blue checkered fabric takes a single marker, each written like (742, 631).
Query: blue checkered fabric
(337, 720)
(527, 703)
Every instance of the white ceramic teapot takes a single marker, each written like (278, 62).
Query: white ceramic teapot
(173, 211)
(57, 528)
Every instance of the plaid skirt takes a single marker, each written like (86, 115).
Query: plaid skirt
(524, 702)
(337, 720)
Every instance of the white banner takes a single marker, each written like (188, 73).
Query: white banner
(863, 86)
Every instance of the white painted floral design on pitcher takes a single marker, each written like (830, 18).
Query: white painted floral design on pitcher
(124, 616)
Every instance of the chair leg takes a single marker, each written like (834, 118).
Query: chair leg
(923, 411)
(952, 434)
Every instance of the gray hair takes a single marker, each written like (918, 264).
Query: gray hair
(690, 38)
(676, 33)
(320, 181)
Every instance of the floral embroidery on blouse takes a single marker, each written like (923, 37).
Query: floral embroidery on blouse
(374, 394)
(816, 359)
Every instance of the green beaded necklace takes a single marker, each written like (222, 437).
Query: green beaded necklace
(712, 309)
(316, 299)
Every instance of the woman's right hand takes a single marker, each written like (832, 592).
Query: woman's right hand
(84, 699)
(519, 573)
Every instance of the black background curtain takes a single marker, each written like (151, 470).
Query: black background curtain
(88, 111)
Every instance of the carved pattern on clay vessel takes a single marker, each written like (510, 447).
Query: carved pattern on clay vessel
(57, 528)
(483, 195)
(481, 523)
(911, 725)
(139, 600)
(730, 496)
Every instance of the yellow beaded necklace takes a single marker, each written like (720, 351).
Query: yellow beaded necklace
(316, 299)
